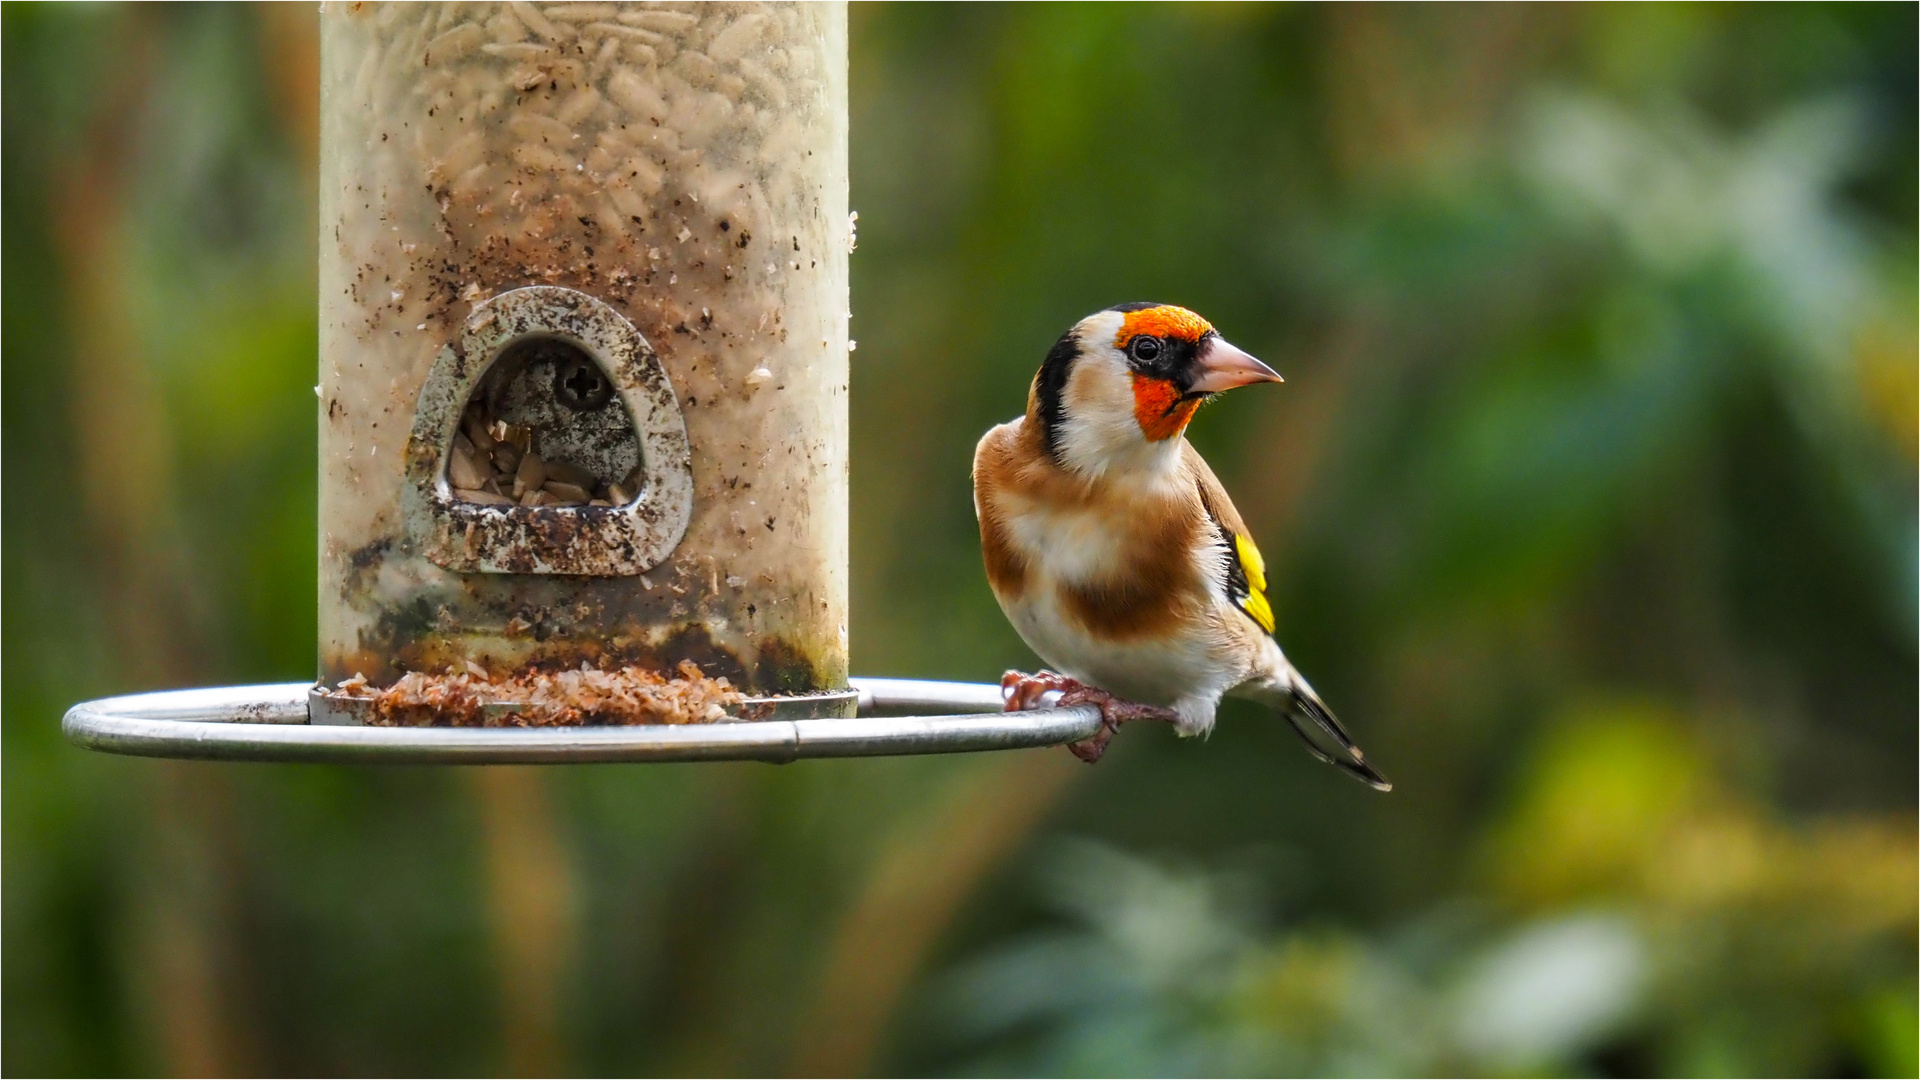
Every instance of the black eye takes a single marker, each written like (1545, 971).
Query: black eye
(1145, 349)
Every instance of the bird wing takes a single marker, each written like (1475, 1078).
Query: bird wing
(1243, 570)
(1245, 574)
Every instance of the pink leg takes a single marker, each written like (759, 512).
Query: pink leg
(1023, 691)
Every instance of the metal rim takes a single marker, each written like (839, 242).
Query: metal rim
(269, 723)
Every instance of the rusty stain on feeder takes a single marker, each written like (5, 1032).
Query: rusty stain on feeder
(673, 182)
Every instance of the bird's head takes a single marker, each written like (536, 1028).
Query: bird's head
(1118, 389)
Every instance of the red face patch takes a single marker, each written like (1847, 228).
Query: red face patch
(1162, 322)
(1158, 408)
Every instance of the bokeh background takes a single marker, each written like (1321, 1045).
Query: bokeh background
(1590, 500)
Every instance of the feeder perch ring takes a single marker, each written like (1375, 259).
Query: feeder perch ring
(272, 723)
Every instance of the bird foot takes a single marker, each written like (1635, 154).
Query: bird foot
(1022, 692)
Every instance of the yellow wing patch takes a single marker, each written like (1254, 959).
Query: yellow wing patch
(1255, 567)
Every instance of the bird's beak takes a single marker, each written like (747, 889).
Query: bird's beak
(1223, 367)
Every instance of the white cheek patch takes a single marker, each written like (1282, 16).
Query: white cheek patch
(1099, 396)
(1099, 432)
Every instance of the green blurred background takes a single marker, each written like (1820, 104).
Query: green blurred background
(1590, 500)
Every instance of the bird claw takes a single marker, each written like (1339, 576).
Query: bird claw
(1022, 692)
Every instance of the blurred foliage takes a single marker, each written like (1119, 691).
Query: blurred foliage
(1590, 500)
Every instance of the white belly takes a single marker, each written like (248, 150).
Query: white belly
(1060, 547)
(1158, 671)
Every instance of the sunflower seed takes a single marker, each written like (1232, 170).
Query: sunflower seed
(566, 493)
(463, 465)
(475, 426)
(529, 476)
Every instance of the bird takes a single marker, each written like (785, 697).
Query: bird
(1114, 550)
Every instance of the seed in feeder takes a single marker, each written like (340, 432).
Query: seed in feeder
(742, 33)
(529, 476)
(463, 466)
(581, 12)
(536, 497)
(632, 480)
(453, 44)
(533, 126)
(538, 23)
(539, 159)
(697, 68)
(519, 50)
(618, 494)
(578, 107)
(506, 457)
(475, 426)
(564, 492)
(485, 497)
(671, 22)
(633, 94)
(600, 502)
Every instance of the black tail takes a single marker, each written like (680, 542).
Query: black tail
(1342, 754)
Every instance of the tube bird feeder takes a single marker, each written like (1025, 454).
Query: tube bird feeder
(583, 398)
(583, 345)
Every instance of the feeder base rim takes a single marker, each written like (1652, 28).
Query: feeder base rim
(272, 723)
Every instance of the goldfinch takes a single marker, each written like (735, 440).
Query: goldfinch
(1115, 552)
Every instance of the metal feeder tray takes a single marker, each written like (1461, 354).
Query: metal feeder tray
(272, 723)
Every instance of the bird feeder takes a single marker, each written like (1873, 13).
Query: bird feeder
(583, 400)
